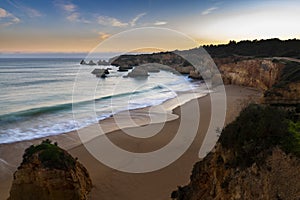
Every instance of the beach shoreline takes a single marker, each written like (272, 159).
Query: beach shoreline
(11, 154)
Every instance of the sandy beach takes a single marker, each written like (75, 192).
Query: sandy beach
(111, 184)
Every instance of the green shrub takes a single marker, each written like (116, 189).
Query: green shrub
(50, 155)
(293, 146)
(256, 130)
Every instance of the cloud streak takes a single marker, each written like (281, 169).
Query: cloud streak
(7, 19)
(134, 20)
(114, 22)
(111, 21)
(69, 7)
(72, 13)
(30, 12)
(209, 10)
(103, 35)
(160, 23)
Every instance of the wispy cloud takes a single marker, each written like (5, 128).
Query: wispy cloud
(6, 18)
(30, 12)
(104, 35)
(73, 17)
(33, 12)
(160, 23)
(134, 20)
(110, 21)
(209, 10)
(71, 10)
(69, 7)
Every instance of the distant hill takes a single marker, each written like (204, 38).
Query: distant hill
(257, 48)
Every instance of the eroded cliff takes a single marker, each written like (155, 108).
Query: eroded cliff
(50, 173)
(257, 73)
(257, 157)
(214, 179)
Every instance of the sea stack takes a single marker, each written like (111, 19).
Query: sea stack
(50, 173)
(137, 72)
(82, 62)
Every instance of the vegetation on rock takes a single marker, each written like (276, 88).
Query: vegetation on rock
(256, 157)
(257, 48)
(260, 128)
(289, 74)
(50, 173)
(50, 155)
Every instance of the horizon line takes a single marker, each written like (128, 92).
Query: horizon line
(16, 53)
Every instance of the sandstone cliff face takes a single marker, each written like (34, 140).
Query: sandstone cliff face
(258, 73)
(213, 179)
(290, 94)
(37, 178)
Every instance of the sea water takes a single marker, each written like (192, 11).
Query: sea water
(38, 95)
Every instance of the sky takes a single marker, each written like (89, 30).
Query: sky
(74, 26)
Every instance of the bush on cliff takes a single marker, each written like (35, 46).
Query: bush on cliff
(258, 129)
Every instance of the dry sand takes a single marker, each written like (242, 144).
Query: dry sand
(111, 184)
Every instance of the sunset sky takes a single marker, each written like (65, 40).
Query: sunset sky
(35, 26)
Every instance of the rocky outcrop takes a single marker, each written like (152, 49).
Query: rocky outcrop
(82, 62)
(124, 68)
(137, 72)
(213, 179)
(91, 63)
(258, 73)
(168, 60)
(184, 70)
(100, 72)
(50, 173)
(165, 58)
(103, 62)
(289, 94)
(194, 74)
(256, 157)
(152, 67)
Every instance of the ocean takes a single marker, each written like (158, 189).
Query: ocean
(38, 95)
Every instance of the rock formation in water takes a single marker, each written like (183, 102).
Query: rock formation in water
(100, 72)
(91, 63)
(82, 62)
(103, 62)
(50, 173)
(138, 72)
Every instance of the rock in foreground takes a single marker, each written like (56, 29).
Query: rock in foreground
(50, 173)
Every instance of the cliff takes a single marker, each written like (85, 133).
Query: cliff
(50, 173)
(169, 61)
(289, 94)
(287, 88)
(258, 73)
(257, 157)
(279, 79)
(212, 179)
